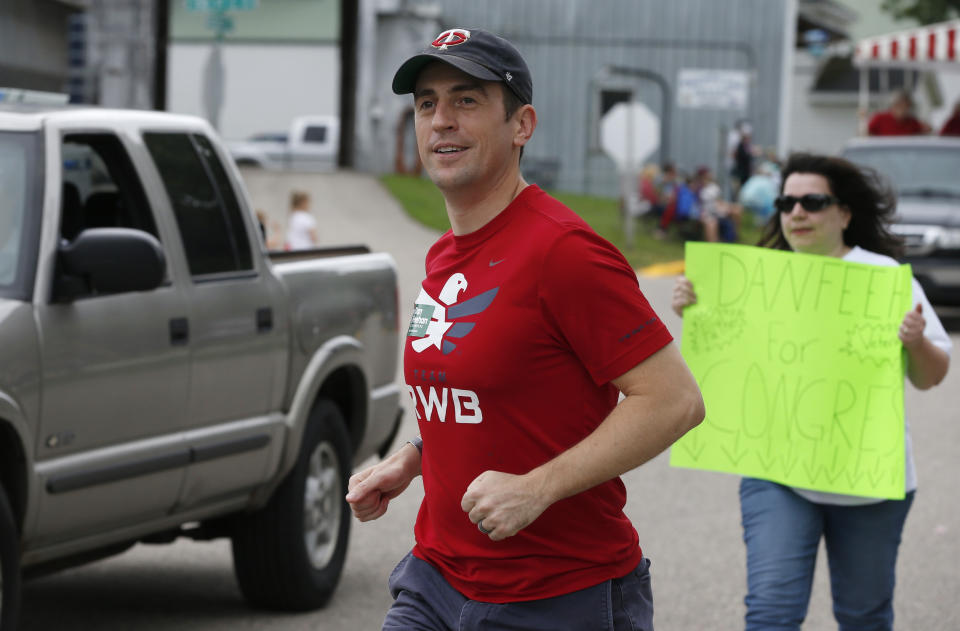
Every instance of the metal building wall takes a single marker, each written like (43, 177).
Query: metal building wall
(33, 44)
(121, 53)
(575, 47)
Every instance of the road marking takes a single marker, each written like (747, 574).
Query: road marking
(670, 268)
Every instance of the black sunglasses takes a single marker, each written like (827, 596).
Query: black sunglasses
(811, 202)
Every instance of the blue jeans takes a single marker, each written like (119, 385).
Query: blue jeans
(782, 532)
(425, 601)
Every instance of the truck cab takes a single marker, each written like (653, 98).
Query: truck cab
(310, 144)
(923, 172)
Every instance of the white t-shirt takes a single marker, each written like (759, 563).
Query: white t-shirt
(933, 331)
(709, 195)
(299, 230)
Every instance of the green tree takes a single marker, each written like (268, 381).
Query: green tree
(923, 11)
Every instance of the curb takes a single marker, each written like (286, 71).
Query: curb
(670, 268)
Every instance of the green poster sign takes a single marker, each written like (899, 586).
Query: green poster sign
(220, 5)
(255, 21)
(800, 367)
(420, 320)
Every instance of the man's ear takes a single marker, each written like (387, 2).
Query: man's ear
(526, 118)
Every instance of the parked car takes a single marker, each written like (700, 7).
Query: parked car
(311, 144)
(160, 376)
(924, 171)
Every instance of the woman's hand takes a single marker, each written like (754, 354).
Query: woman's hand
(911, 329)
(927, 365)
(683, 295)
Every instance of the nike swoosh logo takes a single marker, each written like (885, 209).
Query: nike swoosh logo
(493, 263)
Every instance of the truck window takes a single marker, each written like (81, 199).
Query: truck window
(101, 188)
(918, 171)
(315, 133)
(21, 191)
(204, 203)
(231, 204)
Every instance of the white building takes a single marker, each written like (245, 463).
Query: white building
(252, 68)
(34, 49)
(825, 85)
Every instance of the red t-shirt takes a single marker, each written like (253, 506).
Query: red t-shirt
(886, 124)
(519, 328)
(951, 127)
(648, 190)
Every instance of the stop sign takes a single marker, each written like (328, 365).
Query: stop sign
(629, 134)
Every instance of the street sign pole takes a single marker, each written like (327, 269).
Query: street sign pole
(214, 72)
(629, 134)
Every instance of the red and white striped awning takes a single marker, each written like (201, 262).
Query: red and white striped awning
(931, 47)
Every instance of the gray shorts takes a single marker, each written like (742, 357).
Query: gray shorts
(424, 601)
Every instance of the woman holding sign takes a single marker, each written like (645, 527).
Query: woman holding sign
(829, 206)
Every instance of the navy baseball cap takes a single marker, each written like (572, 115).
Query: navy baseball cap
(478, 53)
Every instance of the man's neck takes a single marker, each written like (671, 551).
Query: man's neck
(468, 211)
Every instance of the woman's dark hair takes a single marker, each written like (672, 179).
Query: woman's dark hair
(861, 190)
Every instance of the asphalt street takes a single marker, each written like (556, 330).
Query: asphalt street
(688, 521)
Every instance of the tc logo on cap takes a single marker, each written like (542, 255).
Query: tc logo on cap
(453, 37)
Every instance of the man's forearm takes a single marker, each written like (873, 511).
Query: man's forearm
(661, 403)
(410, 457)
(636, 431)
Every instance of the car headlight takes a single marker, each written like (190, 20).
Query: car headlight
(950, 239)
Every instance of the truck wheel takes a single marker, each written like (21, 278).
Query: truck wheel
(9, 567)
(289, 554)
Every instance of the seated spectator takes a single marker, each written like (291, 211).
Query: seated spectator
(648, 184)
(688, 201)
(771, 166)
(683, 212)
(665, 207)
(898, 120)
(757, 193)
(952, 126)
(720, 219)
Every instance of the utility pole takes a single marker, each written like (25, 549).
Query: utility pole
(161, 43)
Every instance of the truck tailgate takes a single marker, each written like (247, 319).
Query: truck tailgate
(286, 256)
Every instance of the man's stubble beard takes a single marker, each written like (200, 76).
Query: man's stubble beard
(452, 181)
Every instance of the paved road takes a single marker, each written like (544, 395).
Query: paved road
(688, 521)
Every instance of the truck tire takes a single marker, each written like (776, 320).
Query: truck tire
(9, 567)
(288, 555)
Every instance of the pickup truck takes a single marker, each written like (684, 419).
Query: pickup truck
(311, 144)
(924, 172)
(160, 375)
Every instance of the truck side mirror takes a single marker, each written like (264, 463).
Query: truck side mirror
(108, 261)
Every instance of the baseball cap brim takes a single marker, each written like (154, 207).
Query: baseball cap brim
(405, 80)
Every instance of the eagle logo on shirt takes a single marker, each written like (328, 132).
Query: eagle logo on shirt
(435, 320)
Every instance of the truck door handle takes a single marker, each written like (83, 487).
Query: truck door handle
(179, 331)
(264, 319)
